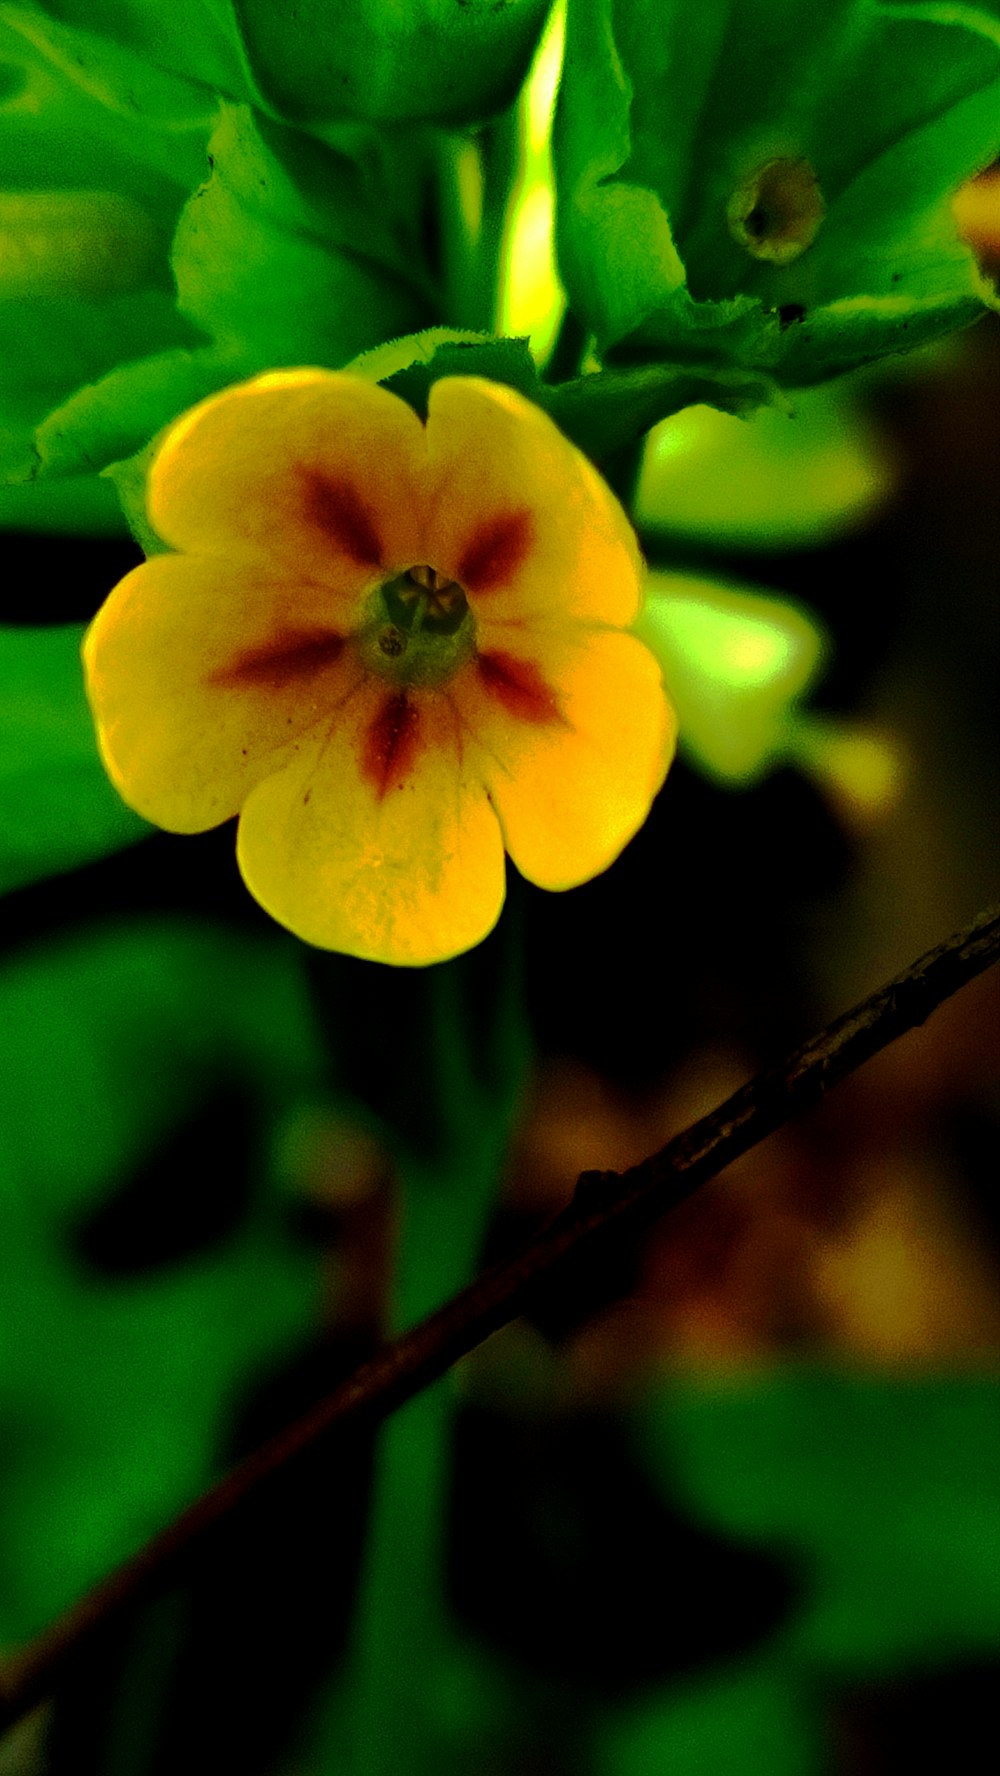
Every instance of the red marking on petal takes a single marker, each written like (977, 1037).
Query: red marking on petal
(495, 552)
(292, 654)
(337, 509)
(391, 744)
(520, 687)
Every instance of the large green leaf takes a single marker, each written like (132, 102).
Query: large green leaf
(880, 1493)
(127, 54)
(377, 59)
(291, 252)
(747, 1717)
(313, 62)
(119, 413)
(305, 253)
(81, 506)
(883, 1491)
(115, 1389)
(88, 210)
(57, 807)
(770, 182)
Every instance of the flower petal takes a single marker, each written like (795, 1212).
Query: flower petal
(519, 516)
(203, 678)
(315, 468)
(379, 839)
(574, 747)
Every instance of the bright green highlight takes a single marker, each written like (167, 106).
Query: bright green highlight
(776, 480)
(738, 654)
(531, 300)
(734, 663)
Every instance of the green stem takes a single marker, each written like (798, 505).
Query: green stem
(403, 1660)
(476, 177)
(568, 352)
(401, 1632)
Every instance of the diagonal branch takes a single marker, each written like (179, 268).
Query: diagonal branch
(606, 1206)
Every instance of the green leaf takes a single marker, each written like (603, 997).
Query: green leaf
(115, 1391)
(87, 215)
(780, 481)
(267, 264)
(312, 63)
(296, 252)
(498, 360)
(81, 506)
(770, 184)
(122, 411)
(385, 362)
(735, 661)
(752, 1718)
(376, 59)
(610, 409)
(601, 413)
(882, 1491)
(57, 807)
(161, 63)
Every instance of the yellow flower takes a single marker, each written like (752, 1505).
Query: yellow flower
(393, 648)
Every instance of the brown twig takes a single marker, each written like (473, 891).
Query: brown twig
(605, 1205)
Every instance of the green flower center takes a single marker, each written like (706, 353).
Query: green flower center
(775, 212)
(419, 628)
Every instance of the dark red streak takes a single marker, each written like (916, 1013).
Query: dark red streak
(336, 508)
(391, 744)
(520, 687)
(495, 552)
(292, 654)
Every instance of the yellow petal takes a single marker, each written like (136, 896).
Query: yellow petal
(316, 469)
(379, 839)
(202, 678)
(519, 516)
(574, 746)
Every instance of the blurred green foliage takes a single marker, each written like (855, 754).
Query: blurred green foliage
(735, 663)
(882, 1490)
(57, 807)
(782, 481)
(134, 1313)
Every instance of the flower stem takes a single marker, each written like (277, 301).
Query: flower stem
(403, 1658)
(401, 1637)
